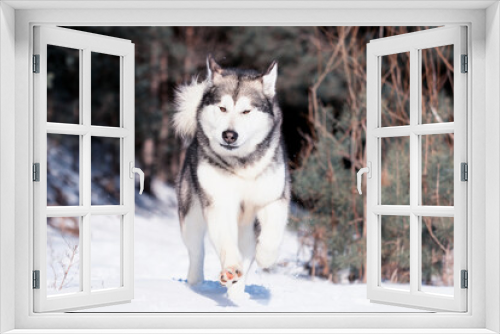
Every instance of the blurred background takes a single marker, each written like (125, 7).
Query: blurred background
(322, 92)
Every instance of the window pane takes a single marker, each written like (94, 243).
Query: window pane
(395, 173)
(63, 170)
(437, 255)
(105, 171)
(437, 84)
(395, 251)
(63, 255)
(105, 252)
(105, 81)
(437, 169)
(395, 89)
(63, 85)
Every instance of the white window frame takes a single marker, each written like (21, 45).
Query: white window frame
(483, 21)
(413, 43)
(85, 43)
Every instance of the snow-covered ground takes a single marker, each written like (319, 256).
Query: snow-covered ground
(161, 263)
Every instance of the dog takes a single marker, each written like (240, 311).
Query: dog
(234, 182)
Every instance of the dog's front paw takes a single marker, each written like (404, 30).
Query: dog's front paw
(230, 275)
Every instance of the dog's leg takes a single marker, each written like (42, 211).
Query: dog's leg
(223, 230)
(273, 219)
(246, 244)
(193, 233)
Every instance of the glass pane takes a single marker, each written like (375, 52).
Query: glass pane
(395, 251)
(63, 170)
(63, 255)
(395, 172)
(437, 169)
(63, 85)
(105, 252)
(395, 89)
(437, 255)
(437, 84)
(105, 81)
(105, 171)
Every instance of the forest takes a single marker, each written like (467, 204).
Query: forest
(322, 92)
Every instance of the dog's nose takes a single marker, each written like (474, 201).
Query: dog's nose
(229, 136)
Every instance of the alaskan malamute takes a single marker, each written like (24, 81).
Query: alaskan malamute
(234, 181)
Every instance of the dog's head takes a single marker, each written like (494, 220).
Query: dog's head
(237, 111)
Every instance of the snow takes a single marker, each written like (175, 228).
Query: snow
(105, 236)
(161, 263)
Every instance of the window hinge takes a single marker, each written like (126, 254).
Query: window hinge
(36, 279)
(464, 171)
(465, 64)
(36, 172)
(464, 278)
(36, 63)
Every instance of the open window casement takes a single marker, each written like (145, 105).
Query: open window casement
(67, 274)
(404, 215)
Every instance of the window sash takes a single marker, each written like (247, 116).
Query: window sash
(86, 43)
(413, 43)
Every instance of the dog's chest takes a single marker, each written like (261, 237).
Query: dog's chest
(258, 191)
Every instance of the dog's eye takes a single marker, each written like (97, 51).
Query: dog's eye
(222, 109)
(246, 112)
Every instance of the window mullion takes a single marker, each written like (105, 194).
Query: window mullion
(417, 209)
(414, 170)
(86, 168)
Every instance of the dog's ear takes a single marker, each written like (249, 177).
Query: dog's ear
(213, 69)
(269, 79)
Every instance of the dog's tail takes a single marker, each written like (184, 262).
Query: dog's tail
(187, 101)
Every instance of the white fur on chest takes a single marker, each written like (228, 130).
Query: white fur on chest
(256, 190)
